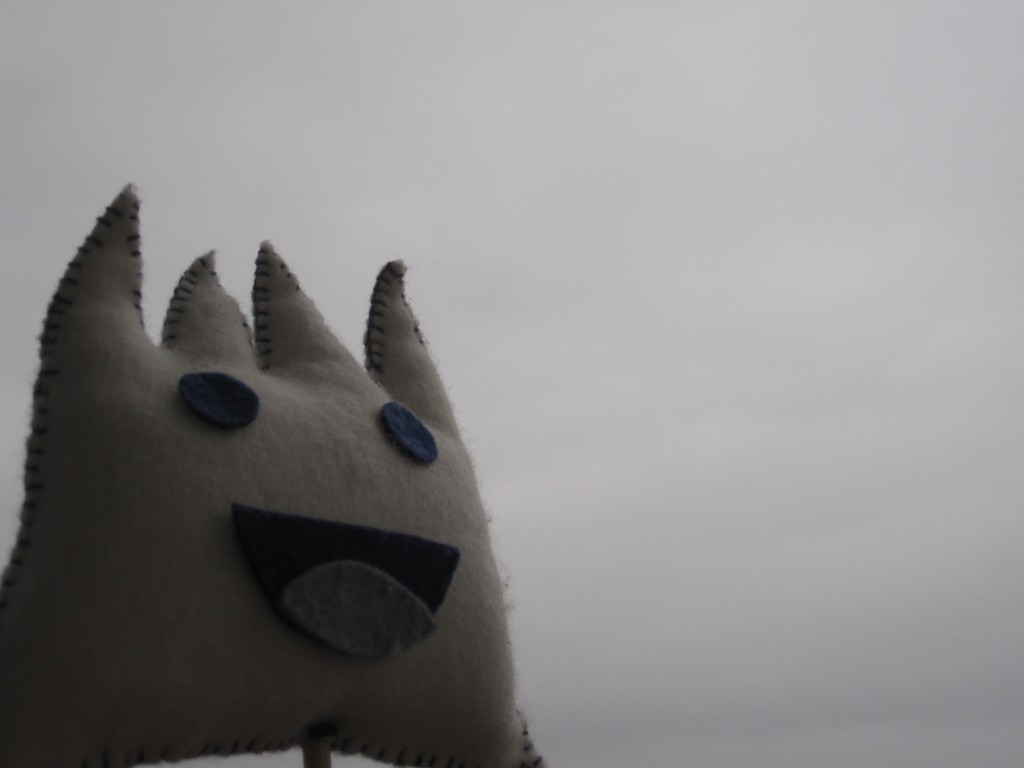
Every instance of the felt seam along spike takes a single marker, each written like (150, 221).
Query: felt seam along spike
(292, 336)
(177, 306)
(396, 354)
(184, 291)
(204, 324)
(374, 339)
(127, 517)
(116, 226)
(261, 304)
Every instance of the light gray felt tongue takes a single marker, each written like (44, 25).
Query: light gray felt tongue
(356, 609)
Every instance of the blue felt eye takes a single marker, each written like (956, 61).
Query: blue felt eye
(219, 399)
(408, 432)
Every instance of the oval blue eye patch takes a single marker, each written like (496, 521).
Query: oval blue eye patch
(408, 432)
(219, 399)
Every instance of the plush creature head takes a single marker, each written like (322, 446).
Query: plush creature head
(238, 541)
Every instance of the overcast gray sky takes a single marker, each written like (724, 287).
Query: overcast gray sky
(727, 295)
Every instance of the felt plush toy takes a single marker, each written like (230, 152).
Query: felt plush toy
(242, 540)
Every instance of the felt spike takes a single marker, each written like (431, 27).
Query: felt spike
(291, 335)
(203, 322)
(97, 306)
(396, 354)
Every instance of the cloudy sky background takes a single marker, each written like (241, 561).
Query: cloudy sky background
(727, 295)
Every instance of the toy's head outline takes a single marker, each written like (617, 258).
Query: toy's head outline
(132, 626)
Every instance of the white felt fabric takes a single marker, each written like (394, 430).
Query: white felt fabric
(132, 629)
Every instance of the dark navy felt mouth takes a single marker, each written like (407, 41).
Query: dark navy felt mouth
(363, 591)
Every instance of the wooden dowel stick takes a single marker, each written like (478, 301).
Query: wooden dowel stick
(316, 754)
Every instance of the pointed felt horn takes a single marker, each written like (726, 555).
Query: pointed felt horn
(291, 335)
(203, 322)
(97, 308)
(396, 354)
